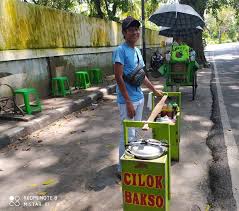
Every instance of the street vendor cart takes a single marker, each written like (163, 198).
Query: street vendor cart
(146, 171)
(146, 163)
(180, 69)
(179, 21)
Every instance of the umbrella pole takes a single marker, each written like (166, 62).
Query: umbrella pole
(143, 32)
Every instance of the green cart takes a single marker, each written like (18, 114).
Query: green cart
(146, 183)
(180, 71)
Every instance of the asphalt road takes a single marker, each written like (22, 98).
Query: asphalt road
(224, 136)
(226, 58)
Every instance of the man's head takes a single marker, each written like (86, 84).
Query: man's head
(130, 22)
(130, 29)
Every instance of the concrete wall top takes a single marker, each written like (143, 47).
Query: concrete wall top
(28, 26)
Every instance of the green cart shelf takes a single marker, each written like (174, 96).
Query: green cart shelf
(174, 127)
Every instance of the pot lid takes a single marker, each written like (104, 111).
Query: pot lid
(147, 149)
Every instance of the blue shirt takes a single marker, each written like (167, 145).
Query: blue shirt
(127, 56)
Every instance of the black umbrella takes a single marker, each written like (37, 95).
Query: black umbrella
(178, 32)
(177, 15)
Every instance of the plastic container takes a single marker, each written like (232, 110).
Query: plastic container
(192, 55)
(170, 111)
(168, 56)
(175, 108)
(164, 110)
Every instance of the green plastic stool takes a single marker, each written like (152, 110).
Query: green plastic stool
(91, 76)
(26, 92)
(60, 86)
(96, 75)
(82, 79)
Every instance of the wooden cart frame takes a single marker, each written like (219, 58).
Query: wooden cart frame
(181, 74)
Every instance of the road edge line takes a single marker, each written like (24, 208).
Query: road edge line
(230, 142)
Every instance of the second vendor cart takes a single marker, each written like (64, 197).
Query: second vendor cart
(180, 69)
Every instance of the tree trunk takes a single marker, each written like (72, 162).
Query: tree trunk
(195, 42)
(114, 8)
(107, 9)
(98, 9)
(219, 35)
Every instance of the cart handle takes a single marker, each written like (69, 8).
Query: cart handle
(157, 109)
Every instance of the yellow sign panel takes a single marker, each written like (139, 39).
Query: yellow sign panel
(143, 199)
(142, 180)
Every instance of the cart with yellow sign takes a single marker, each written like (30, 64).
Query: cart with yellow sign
(146, 161)
(146, 171)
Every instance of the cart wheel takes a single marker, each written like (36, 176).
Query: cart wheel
(194, 86)
(196, 80)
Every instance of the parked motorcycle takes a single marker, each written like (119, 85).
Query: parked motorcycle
(155, 62)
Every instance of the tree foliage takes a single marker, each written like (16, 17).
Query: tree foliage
(215, 6)
(223, 27)
(57, 4)
(107, 9)
(118, 9)
(209, 6)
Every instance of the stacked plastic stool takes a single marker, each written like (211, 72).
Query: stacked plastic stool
(82, 79)
(26, 94)
(96, 74)
(60, 86)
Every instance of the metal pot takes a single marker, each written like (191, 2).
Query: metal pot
(146, 149)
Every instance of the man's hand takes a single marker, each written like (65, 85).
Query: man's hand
(158, 93)
(130, 109)
(149, 85)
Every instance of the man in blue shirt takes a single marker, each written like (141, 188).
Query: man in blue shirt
(130, 99)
